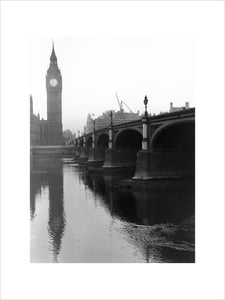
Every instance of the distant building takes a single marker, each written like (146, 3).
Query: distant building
(104, 120)
(35, 131)
(49, 132)
(38, 128)
(172, 108)
(44, 132)
(68, 137)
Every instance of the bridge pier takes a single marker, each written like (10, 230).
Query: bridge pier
(84, 151)
(143, 165)
(84, 155)
(111, 159)
(77, 153)
(164, 165)
(119, 158)
(78, 147)
(96, 156)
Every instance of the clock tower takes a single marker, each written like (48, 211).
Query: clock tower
(54, 101)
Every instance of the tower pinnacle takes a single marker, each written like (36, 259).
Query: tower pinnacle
(53, 58)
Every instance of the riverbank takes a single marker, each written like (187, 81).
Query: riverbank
(59, 150)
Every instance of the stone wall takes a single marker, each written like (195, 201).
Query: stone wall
(35, 130)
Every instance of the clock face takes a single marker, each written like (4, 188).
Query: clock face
(53, 82)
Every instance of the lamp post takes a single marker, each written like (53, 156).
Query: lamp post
(145, 140)
(111, 114)
(111, 131)
(84, 138)
(78, 138)
(93, 134)
(146, 103)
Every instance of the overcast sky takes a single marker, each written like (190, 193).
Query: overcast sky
(94, 69)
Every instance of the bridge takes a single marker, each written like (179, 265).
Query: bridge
(161, 146)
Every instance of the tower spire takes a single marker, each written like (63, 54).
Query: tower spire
(31, 104)
(53, 58)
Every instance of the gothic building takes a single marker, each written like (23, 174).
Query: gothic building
(38, 128)
(49, 132)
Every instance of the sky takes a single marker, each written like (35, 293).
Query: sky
(94, 69)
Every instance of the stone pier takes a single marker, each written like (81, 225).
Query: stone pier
(96, 157)
(120, 158)
(84, 155)
(164, 165)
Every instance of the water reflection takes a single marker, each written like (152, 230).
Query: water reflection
(38, 185)
(141, 207)
(157, 242)
(56, 223)
(48, 173)
(88, 218)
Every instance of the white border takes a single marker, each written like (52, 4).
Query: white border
(202, 20)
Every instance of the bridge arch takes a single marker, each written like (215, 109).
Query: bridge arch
(177, 136)
(89, 142)
(102, 141)
(129, 139)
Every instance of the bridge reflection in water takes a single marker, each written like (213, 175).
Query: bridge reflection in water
(77, 216)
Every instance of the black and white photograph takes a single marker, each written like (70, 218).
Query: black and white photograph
(112, 150)
(113, 165)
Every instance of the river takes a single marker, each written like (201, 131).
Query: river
(84, 217)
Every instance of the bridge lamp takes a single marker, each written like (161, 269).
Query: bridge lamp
(94, 124)
(111, 131)
(111, 114)
(93, 133)
(146, 103)
(93, 121)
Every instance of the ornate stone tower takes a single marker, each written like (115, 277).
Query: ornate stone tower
(54, 101)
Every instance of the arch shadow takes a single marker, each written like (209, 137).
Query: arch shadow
(177, 136)
(89, 142)
(103, 141)
(128, 139)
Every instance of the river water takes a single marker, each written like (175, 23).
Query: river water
(79, 216)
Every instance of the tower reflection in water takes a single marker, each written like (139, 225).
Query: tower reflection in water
(48, 173)
(126, 225)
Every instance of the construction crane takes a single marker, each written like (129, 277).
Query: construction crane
(121, 104)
